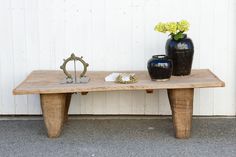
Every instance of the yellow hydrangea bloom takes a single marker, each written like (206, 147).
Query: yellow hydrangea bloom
(176, 29)
(183, 26)
(171, 27)
(160, 27)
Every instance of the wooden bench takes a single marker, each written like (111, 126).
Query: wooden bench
(55, 97)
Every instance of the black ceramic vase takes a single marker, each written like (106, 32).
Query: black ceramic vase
(181, 52)
(160, 68)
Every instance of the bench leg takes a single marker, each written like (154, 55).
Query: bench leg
(53, 108)
(181, 101)
(68, 98)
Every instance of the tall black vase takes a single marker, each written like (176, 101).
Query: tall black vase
(181, 52)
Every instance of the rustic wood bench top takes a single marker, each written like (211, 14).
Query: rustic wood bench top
(48, 81)
(55, 97)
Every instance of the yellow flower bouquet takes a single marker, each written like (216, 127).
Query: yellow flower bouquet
(176, 29)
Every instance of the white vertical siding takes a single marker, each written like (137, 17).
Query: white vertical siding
(114, 35)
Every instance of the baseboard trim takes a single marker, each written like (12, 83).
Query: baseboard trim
(102, 117)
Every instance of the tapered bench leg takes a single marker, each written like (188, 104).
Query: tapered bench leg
(181, 101)
(68, 98)
(53, 108)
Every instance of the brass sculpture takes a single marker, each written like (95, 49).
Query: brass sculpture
(69, 78)
(132, 78)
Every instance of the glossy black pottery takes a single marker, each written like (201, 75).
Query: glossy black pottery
(181, 52)
(160, 68)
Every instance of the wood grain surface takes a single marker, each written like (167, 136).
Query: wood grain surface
(181, 102)
(54, 108)
(45, 82)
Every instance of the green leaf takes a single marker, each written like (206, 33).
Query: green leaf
(178, 36)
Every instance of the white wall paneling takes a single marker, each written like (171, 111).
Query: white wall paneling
(114, 35)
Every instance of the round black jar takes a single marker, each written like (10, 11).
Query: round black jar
(160, 68)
